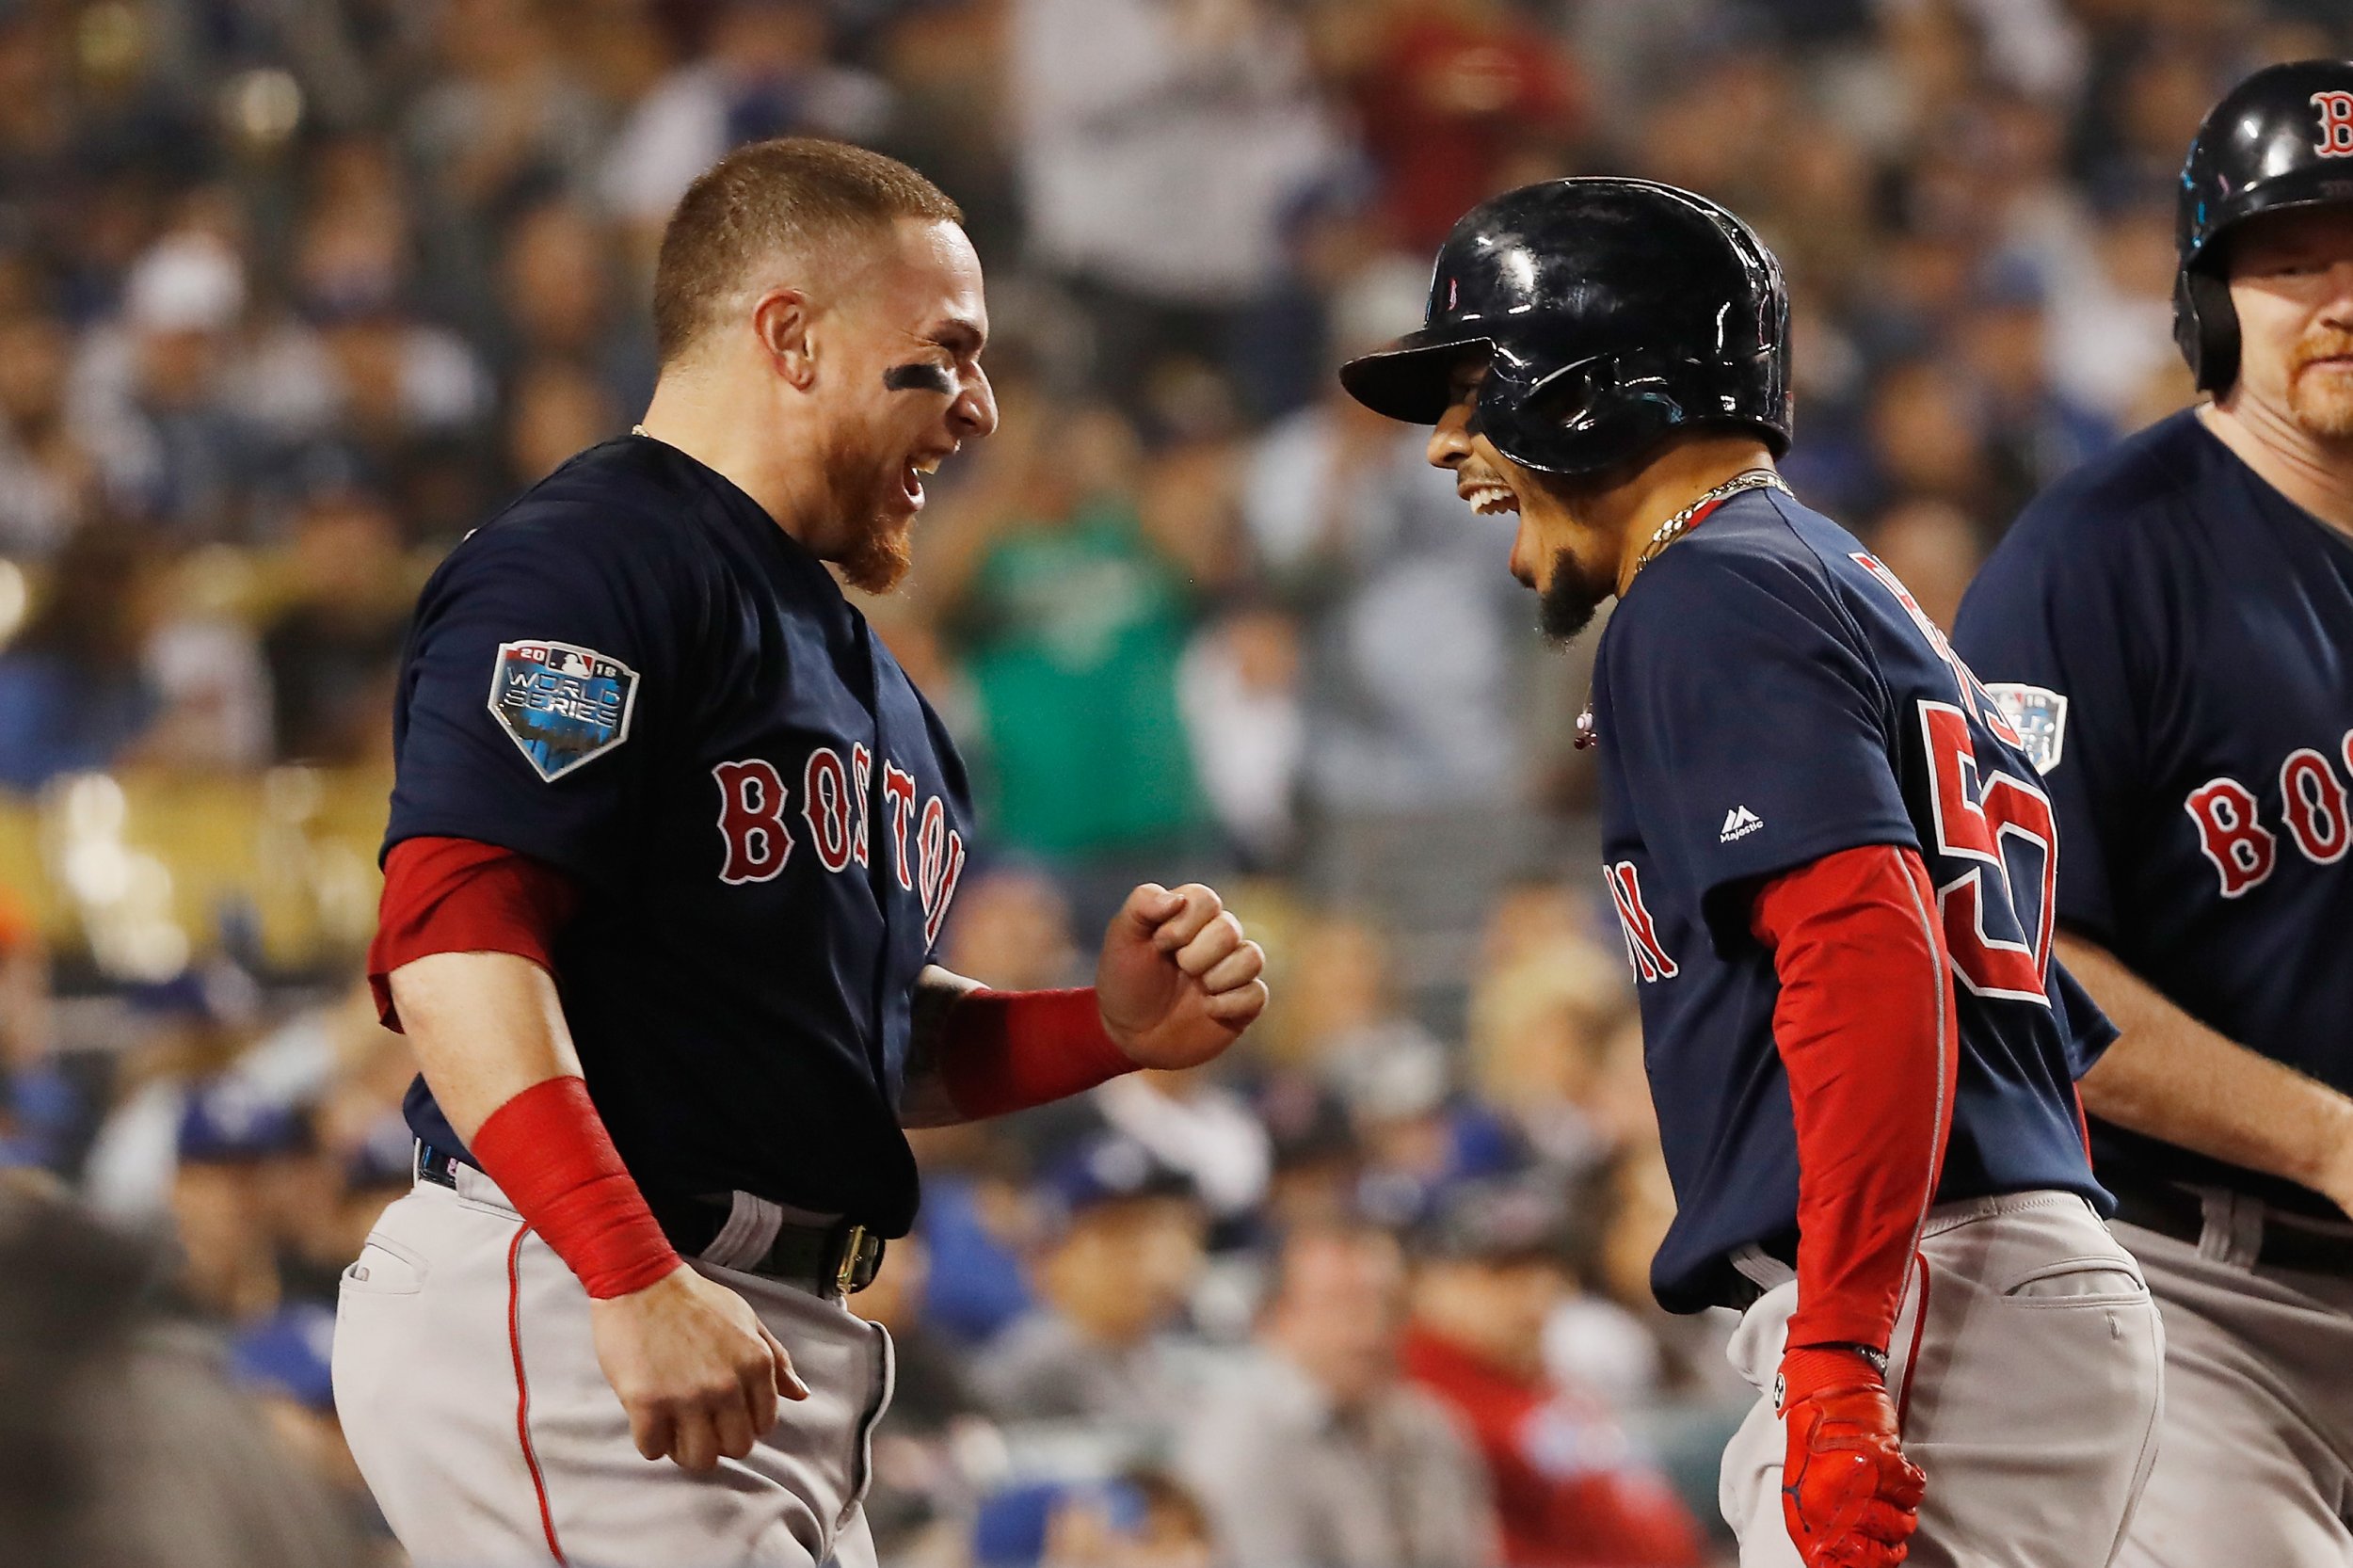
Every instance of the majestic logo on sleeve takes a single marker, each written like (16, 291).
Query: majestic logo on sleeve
(561, 704)
(2334, 138)
(2040, 716)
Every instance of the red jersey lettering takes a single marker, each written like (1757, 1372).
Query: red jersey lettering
(2242, 849)
(825, 807)
(751, 820)
(1973, 811)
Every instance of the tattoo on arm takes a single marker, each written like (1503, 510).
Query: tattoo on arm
(924, 1101)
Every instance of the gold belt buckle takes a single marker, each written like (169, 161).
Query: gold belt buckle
(847, 1274)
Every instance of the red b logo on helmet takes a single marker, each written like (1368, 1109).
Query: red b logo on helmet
(2336, 124)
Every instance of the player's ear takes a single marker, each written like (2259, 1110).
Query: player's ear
(780, 319)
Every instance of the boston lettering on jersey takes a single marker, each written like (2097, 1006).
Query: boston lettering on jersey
(2182, 634)
(765, 819)
(1766, 695)
(753, 802)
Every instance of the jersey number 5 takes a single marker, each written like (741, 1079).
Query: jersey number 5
(1979, 816)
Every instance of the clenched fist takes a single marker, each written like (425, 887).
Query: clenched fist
(1849, 1497)
(1178, 982)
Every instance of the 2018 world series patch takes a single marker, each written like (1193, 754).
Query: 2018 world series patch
(561, 704)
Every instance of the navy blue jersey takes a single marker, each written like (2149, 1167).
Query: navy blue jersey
(633, 675)
(2178, 635)
(1768, 694)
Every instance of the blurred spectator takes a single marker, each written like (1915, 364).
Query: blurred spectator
(1063, 604)
(1934, 550)
(284, 1361)
(924, 1488)
(1460, 100)
(333, 647)
(1197, 1126)
(152, 392)
(1112, 1279)
(48, 478)
(121, 1445)
(1158, 143)
(1367, 538)
(559, 299)
(221, 1196)
(1541, 1008)
(1570, 1486)
(764, 72)
(1011, 931)
(74, 691)
(1239, 686)
(1314, 1450)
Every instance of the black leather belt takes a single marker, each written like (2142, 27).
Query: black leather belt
(2289, 1240)
(839, 1258)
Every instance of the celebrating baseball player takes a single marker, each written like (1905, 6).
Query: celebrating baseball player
(672, 842)
(2171, 628)
(1833, 863)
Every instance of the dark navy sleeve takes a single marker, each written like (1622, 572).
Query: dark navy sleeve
(542, 671)
(2048, 633)
(1752, 724)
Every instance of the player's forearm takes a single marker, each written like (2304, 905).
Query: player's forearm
(1864, 1027)
(2170, 1077)
(923, 1100)
(486, 1026)
(976, 1053)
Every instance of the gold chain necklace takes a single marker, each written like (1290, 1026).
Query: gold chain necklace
(1667, 532)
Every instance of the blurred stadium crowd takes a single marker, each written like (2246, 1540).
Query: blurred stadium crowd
(294, 295)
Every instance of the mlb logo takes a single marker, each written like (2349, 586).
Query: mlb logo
(561, 704)
(2040, 716)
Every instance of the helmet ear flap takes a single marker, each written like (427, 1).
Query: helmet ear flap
(2205, 328)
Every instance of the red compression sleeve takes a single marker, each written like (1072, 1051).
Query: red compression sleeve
(1865, 1027)
(548, 1150)
(1008, 1051)
(460, 895)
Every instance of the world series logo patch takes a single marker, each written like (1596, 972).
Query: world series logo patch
(2040, 716)
(561, 704)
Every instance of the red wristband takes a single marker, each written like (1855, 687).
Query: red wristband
(548, 1150)
(1008, 1051)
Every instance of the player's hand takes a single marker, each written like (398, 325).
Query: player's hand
(1848, 1493)
(1178, 982)
(696, 1369)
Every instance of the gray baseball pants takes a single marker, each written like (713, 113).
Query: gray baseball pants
(467, 1381)
(2255, 1467)
(2027, 1368)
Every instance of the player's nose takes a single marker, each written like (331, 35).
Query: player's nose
(974, 411)
(1449, 438)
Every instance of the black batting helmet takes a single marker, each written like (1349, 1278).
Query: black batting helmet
(1609, 312)
(2283, 137)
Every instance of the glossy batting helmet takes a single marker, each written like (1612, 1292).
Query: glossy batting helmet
(1607, 312)
(2283, 137)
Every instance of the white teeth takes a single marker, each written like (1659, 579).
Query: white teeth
(1490, 500)
(928, 465)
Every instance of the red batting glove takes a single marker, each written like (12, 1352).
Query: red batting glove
(1848, 1493)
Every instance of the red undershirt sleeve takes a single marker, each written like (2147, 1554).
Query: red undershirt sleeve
(1865, 1027)
(1001, 1051)
(461, 895)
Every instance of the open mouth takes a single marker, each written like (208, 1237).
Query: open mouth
(911, 477)
(1487, 497)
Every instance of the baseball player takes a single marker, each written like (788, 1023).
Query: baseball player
(2171, 628)
(672, 841)
(1832, 861)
